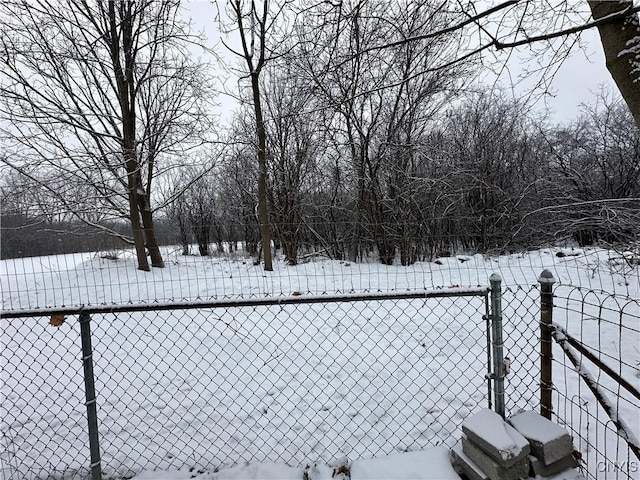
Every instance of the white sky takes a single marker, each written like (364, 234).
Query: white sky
(578, 80)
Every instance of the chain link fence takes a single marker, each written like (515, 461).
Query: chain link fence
(43, 414)
(302, 379)
(520, 307)
(289, 380)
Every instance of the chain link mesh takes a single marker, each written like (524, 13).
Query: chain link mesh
(42, 412)
(521, 332)
(216, 387)
(208, 388)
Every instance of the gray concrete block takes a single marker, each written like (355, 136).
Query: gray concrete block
(491, 467)
(499, 440)
(549, 442)
(470, 469)
(539, 468)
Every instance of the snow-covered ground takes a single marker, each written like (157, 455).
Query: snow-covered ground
(211, 389)
(89, 279)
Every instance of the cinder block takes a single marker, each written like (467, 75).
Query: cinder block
(491, 467)
(470, 469)
(499, 440)
(539, 468)
(549, 442)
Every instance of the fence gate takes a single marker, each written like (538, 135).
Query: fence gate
(209, 385)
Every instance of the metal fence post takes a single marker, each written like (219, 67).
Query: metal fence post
(496, 333)
(546, 281)
(90, 395)
(489, 376)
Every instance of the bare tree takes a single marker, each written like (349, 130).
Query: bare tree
(102, 93)
(238, 174)
(490, 152)
(382, 104)
(379, 74)
(255, 22)
(178, 214)
(292, 146)
(193, 207)
(595, 176)
(515, 23)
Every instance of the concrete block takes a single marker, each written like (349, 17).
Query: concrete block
(539, 468)
(470, 469)
(549, 442)
(491, 467)
(499, 440)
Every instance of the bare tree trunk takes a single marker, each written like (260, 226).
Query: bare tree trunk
(290, 243)
(255, 58)
(263, 209)
(150, 232)
(621, 43)
(134, 217)
(126, 99)
(184, 237)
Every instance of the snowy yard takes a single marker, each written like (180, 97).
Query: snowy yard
(90, 279)
(203, 390)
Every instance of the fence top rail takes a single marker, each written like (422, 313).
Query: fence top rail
(294, 299)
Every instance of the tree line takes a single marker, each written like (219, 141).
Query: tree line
(487, 177)
(361, 133)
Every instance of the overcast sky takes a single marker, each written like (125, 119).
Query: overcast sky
(578, 80)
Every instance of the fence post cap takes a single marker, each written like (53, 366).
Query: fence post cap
(546, 278)
(495, 278)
